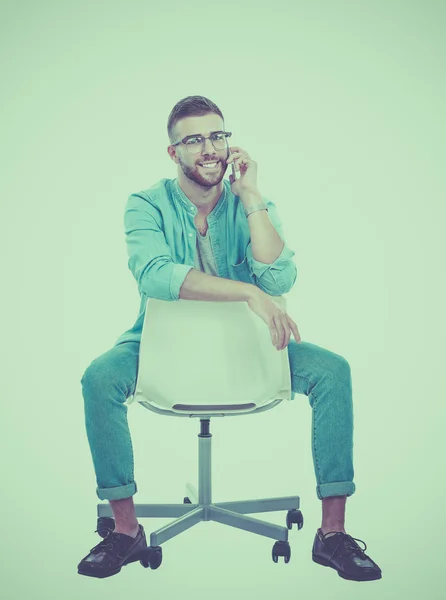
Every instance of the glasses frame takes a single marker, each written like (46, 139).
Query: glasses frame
(204, 138)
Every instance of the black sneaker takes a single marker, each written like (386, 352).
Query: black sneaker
(115, 551)
(342, 553)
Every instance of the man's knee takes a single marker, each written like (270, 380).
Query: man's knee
(339, 367)
(94, 376)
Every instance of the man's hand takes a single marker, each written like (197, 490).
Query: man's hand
(279, 322)
(243, 163)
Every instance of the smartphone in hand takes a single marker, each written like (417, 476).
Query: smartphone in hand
(232, 166)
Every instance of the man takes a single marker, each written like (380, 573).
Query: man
(239, 254)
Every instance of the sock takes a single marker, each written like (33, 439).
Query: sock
(321, 535)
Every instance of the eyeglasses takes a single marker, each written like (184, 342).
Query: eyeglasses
(194, 143)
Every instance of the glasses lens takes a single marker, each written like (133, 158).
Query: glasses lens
(194, 144)
(219, 140)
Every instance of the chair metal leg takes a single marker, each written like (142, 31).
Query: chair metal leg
(227, 517)
(261, 505)
(163, 534)
(152, 510)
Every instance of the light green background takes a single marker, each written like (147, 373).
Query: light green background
(342, 106)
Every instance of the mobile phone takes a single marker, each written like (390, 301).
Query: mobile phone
(233, 170)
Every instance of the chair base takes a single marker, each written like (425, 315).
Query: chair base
(198, 507)
(228, 513)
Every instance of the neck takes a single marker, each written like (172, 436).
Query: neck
(205, 199)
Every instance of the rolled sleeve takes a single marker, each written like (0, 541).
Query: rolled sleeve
(278, 277)
(149, 256)
(179, 273)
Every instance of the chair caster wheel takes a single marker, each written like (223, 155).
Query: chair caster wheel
(153, 557)
(105, 525)
(186, 500)
(294, 516)
(281, 549)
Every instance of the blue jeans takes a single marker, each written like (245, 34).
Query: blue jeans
(320, 374)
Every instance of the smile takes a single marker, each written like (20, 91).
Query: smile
(210, 166)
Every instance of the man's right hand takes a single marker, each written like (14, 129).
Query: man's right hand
(279, 322)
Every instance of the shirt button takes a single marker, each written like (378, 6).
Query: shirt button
(190, 235)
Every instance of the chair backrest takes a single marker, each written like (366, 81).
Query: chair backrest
(201, 357)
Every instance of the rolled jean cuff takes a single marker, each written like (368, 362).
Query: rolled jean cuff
(117, 493)
(337, 488)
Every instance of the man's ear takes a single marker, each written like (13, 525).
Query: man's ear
(171, 152)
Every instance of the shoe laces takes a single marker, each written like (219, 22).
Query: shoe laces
(350, 543)
(112, 541)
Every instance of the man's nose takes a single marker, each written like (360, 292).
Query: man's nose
(208, 146)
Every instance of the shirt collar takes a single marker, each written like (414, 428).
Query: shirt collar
(190, 206)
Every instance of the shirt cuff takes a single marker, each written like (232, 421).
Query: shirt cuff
(179, 274)
(258, 268)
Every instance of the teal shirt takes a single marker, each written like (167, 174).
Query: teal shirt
(161, 245)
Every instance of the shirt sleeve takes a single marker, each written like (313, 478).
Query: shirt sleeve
(278, 277)
(149, 256)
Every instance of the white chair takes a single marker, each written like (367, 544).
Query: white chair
(209, 359)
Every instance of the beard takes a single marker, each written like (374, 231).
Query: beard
(200, 177)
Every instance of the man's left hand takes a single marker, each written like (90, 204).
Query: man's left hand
(247, 182)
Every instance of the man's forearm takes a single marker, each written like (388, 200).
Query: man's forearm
(202, 286)
(266, 243)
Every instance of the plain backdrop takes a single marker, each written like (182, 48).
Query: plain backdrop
(341, 103)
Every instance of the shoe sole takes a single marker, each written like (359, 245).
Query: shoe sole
(101, 573)
(325, 563)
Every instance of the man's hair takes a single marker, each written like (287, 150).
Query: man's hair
(191, 106)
